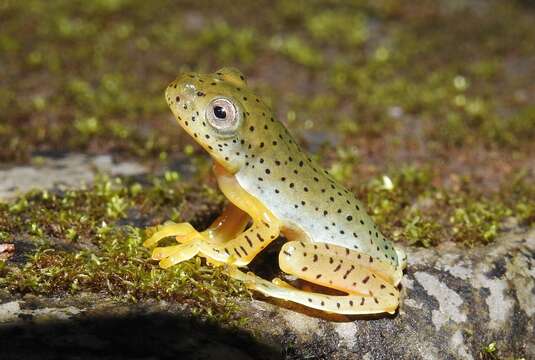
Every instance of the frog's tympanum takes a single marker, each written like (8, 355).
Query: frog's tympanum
(274, 188)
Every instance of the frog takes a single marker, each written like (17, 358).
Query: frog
(275, 189)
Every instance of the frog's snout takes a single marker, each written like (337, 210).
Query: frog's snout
(178, 93)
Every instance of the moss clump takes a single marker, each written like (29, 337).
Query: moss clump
(120, 268)
(87, 240)
(409, 207)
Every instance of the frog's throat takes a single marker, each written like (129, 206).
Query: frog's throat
(223, 167)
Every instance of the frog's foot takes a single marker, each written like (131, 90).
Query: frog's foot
(183, 232)
(277, 288)
(345, 304)
(247, 278)
(352, 304)
(402, 257)
(369, 291)
(172, 255)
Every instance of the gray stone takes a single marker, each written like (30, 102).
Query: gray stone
(70, 170)
(455, 302)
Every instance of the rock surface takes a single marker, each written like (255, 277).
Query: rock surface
(455, 302)
(63, 171)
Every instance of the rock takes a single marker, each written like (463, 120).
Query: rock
(69, 170)
(6, 251)
(455, 303)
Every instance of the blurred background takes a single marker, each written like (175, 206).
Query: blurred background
(425, 109)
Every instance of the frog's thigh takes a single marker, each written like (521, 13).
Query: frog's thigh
(380, 268)
(368, 293)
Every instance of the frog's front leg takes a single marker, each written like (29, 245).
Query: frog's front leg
(243, 248)
(367, 282)
(228, 225)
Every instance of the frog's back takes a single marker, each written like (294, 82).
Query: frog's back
(306, 198)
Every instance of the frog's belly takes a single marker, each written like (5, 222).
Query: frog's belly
(325, 222)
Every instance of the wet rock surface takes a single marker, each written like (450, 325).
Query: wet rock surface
(456, 301)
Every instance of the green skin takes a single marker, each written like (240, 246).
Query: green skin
(271, 166)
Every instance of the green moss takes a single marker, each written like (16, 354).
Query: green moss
(411, 209)
(82, 248)
(298, 50)
(347, 28)
(120, 269)
(489, 351)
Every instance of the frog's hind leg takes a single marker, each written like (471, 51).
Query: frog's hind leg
(380, 268)
(368, 292)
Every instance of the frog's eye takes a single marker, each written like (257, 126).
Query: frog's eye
(222, 115)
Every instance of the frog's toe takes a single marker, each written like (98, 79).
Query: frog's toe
(402, 257)
(249, 279)
(172, 255)
(214, 263)
(160, 253)
(184, 232)
(281, 283)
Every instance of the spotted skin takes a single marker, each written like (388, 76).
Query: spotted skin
(264, 173)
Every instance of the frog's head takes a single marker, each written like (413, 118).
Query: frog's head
(217, 110)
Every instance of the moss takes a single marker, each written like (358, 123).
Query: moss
(350, 29)
(119, 269)
(410, 208)
(489, 351)
(297, 50)
(87, 242)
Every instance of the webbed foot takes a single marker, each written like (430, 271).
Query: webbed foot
(187, 237)
(183, 232)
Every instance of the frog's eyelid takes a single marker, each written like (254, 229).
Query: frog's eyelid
(232, 75)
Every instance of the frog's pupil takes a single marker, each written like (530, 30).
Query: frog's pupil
(219, 112)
